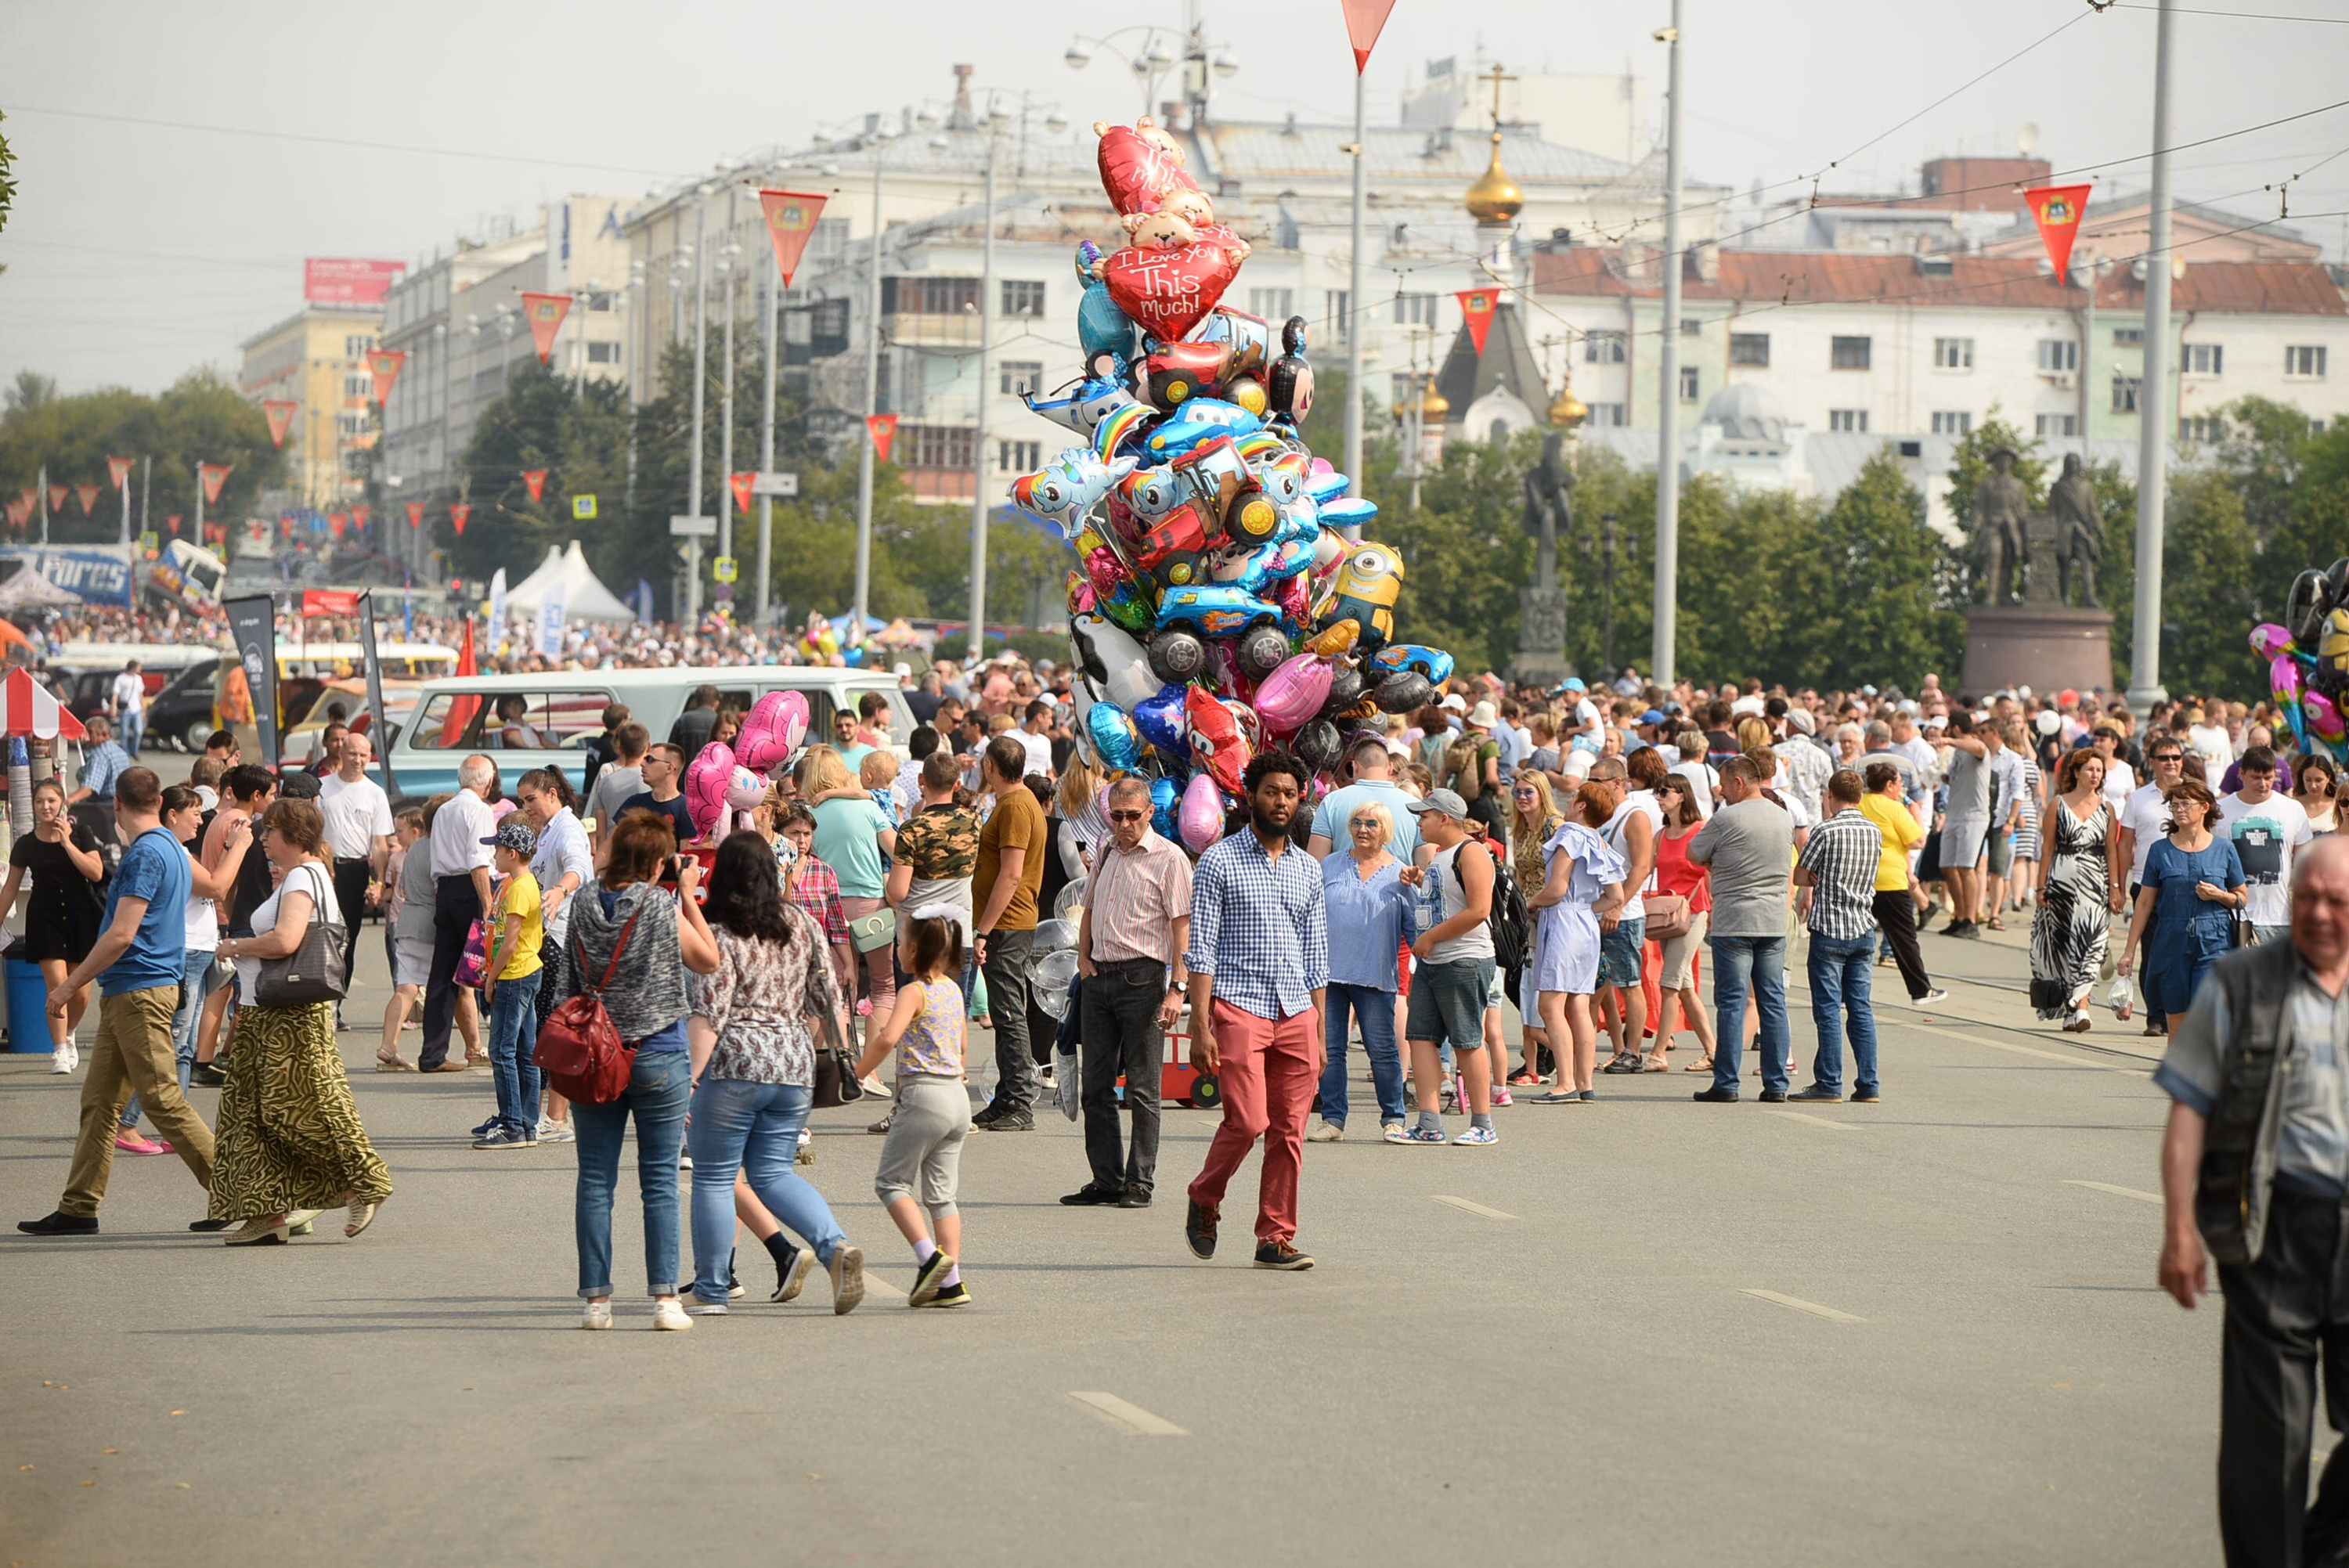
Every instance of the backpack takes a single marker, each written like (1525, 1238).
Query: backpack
(579, 1048)
(1509, 922)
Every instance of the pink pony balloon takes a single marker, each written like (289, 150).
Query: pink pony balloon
(2269, 640)
(2324, 719)
(1201, 814)
(706, 780)
(772, 730)
(1293, 694)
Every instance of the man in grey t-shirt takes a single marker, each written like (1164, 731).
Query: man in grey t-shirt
(1749, 843)
(1965, 824)
(619, 781)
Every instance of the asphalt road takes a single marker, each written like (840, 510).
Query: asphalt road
(1641, 1331)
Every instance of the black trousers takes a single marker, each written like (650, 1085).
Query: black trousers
(2282, 1310)
(1009, 989)
(350, 894)
(1896, 917)
(1120, 1035)
(455, 906)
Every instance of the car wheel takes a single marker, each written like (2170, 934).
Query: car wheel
(199, 731)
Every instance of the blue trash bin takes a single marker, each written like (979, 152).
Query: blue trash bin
(28, 1000)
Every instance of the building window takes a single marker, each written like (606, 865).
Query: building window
(1952, 421)
(1018, 457)
(1336, 307)
(936, 446)
(1603, 347)
(2202, 428)
(603, 354)
(928, 297)
(1854, 419)
(351, 423)
(355, 344)
(1414, 310)
(1688, 383)
(2056, 425)
(2205, 359)
(600, 300)
(2057, 355)
(1273, 304)
(1607, 414)
(2302, 359)
(358, 386)
(1023, 296)
(1019, 377)
(1953, 354)
(1691, 326)
(2128, 336)
(2124, 394)
(1750, 348)
(1848, 354)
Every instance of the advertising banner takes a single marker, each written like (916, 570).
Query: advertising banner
(253, 624)
(347, 279)
(97, 574)
(375, 692)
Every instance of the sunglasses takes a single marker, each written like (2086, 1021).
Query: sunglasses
(1127, 816)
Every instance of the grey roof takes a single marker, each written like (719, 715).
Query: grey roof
(1253, 151)
(1508, 360)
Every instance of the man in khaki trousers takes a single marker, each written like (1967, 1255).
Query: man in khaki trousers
(138, 964)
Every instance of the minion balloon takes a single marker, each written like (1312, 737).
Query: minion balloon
(1357, 610)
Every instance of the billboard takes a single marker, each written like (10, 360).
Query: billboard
(97, 574)
(346, 280)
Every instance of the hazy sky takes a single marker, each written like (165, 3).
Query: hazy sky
(135, 252)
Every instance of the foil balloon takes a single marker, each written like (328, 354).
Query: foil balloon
(2303, 607)
(772, 730)
(1064, 490)
(1294, 693)
(1259, 651)
(745, 789)
(1217, 744)
(1113, 736)
(2332, 644)
(706, 783)
(1162, 722)
(1177, 656)
(1201, 819)
(2325, 721)
(1244, 713)
(2284, 685)
(1120, 667)
(1405, 691)
(1346, 688)
(1316, 746)
(1164, 291)
(1164, 797)
(2269, 640)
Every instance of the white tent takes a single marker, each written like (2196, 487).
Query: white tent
(584, 598)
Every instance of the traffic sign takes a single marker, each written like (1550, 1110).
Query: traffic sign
(774, 483)
(582, 506)
(722, 568)
(693, 527)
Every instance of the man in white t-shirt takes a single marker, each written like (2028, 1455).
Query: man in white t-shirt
(2141, 818)
(1631, 831)
(2211, 742)
(1031, 734)
(2267, 830)
(358, 837)
(130, 694)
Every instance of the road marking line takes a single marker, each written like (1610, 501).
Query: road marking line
(1799, 1304)
(1133, 1417)
(1473, 1208)
(2116, 1192)
(1814, 1121)
(2021, 1050)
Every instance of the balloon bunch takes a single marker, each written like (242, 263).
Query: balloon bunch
(724, 783)
(1225, 600)
(2308, 659)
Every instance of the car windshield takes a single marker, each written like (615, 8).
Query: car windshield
(510, 721)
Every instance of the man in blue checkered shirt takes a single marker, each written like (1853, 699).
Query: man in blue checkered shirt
(1258, 961)
(1836, 881)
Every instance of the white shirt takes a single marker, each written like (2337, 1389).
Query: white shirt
(130, 693)
(357, 813)
(203, 916)
(1039, 753)
(1699, 784)
(2120, 783)
(458, 830)
(1618, 834)
(2265, 837)
(2144, 815)
(2213, 745)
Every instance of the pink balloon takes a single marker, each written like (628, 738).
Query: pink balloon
(745, 789)
(772, 730)
(2269, 640)
(706, 778)
(1201, 813)
(1294, 693)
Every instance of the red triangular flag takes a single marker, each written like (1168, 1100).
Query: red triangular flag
(384, 364)
(337, 522)
(286, 527)
(415, 514)
(463, 709)
(884, 428)
(281, 413)
(1364, 18)
(544, 312)
(171, 521)
(458, 513)
(116, 471)
(741, 484)
(790, 224)
(1478, 305)
(57, 494)
(214, 475)
(359, 516)
(2058, 209)
(537, 480)
(89, 494)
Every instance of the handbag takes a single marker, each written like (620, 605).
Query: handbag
(313, 972)
(474, 963)
(1669, 916)
(579, 1048)
(836, 1082)
(869, 932)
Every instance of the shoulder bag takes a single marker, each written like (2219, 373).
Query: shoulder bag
(313, 972)
(579, 1048)
(835, 1070)
(1668, 915)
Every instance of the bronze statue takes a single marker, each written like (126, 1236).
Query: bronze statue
(2080, 533)
(2002, 522)
(1549, 507)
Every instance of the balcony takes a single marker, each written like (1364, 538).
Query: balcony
(931, 329)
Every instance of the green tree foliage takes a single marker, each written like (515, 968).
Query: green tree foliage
(1465, 551)
(201, 418)
(2211, 588)
(1873, 591)
(7, 179)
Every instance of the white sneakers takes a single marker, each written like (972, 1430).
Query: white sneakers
(1328, 1133)
(597, 1315)
(667, 1314)
(65, 1058)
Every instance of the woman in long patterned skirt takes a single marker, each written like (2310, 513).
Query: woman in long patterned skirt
(2077, 893)
(289, 1137)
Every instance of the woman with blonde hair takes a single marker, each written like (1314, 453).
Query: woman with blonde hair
(1583, 880)
(1533, 816)
(852, 835)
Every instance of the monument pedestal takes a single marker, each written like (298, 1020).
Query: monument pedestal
(1541, 638)
(2046, 647)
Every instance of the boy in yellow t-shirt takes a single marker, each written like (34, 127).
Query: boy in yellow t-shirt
(517, 929)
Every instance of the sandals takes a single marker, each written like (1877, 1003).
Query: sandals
(393, 1063)
(259, 1231)
(1622, 1065)
(1995, 923)
(1704, 1065)
(1655, 1065)
(363, 1215)
(1524, 1079)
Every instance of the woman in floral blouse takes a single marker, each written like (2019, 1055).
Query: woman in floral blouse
(754, 1073)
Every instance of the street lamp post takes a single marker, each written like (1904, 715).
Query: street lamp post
(979, 436)
(701, 378)
(881, 135)
(2153, 392)
(1354, 302)
(1667, 391)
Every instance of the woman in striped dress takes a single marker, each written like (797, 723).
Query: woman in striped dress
(2077, 895)
(2026, 831)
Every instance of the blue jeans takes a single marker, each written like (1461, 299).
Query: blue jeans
(513, 1046)
(1738, 963)
(753, 1127)
(656, 1097)
(183, 1027)
(1840, 973)
(1376, 1008)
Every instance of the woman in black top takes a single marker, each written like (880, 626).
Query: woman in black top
(62, 915)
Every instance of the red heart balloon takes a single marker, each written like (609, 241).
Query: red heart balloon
(1168, 292)
(1136, 170)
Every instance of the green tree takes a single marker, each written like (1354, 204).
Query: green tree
(1874, 587)
(2210, 589)
(1466, 551)
(201, 418)
(8, 178)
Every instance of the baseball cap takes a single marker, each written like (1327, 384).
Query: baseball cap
(1939, 721)
(1652, 717)
(1800, 719)
(902, 670)
(516, 835)
(1444, 803)
(1572, 683)
(1455, 703)
(298, 784)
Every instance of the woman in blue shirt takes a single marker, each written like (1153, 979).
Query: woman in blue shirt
(1370, 923)
(2191, 894)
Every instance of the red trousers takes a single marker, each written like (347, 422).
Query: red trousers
(1265, 1068)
